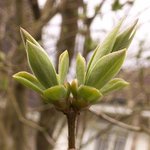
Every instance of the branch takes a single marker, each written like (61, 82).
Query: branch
(42, 108)
(48, 12)
(89, 20)
(35, 8)
(28, 122)
(92, 138)
(121, 124)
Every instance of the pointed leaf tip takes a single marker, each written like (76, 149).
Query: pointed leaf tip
(114, 85)
(63, 66)
(125, 38)
(105, 69)
(26, 36)
(106, 46)
(41, 65)
(29, 81)
(80, 69)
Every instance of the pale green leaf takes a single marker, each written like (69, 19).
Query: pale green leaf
(105, 69)
(106, 46)
(63, 66)
(26, 36)
(74, 87)
(80, 69)
(55, 93)
(29, 81)
(114, 85)
(41, 65)
(88, 94)
(124, 39)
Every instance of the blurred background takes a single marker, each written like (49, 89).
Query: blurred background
(121, 121)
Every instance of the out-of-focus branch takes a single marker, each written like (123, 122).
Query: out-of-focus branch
(92, 138)
(121, 124)
(42, 108)
(89, 20)
(28, 122)
(35, 8)
(4, 136)
(48, 12)
(48, 5)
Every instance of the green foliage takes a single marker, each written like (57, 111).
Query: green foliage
(88, 94)
(91, 83)
(104, 48)
(116, 5)
(41, 65)
(55, 93)
(29, 81)
(80, 69)
(114, 85)
(63, 66)
(125, 38)
(105, 69)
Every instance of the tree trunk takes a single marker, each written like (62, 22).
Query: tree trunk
(69, 28)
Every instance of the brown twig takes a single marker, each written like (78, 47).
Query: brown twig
(121, 124)
(72, 120)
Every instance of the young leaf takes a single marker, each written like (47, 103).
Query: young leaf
(55, 93)
(41, 65)
(124, 39)
(63, 66)
(74, 87)
(26, 36)
(105, 69)
(106, 47)
(80, 69)
(89, 94)
(29, 81)
(114, 85)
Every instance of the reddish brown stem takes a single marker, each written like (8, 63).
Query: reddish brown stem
(71, 119)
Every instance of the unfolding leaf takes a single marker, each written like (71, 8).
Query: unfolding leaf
(29, 81)
(26, 36)
(105, 69)
(88, 94)
(63, 66)
(68, 88)
(80, 69)
(106, 47)
(41, 65)
(55, 93)
(74, 87)
(124, 39)
(113, 85)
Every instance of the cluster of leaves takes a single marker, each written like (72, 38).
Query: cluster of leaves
(93, 80)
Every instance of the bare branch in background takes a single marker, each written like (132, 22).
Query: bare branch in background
(49, 11)
(29, 122)
(121, 124)
(35, 8)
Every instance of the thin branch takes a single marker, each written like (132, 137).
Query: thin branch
(88, 20)
(121, 124)
(35, 9)
(92, 138)
(42, 108)
(47, 14)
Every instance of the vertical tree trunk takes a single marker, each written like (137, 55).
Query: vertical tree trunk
(69, 28)
(9, 44)
(49, 119)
